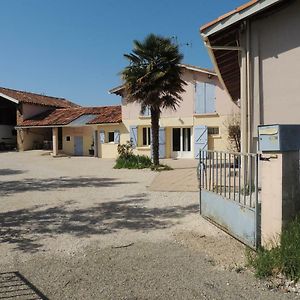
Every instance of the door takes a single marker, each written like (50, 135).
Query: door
(200, 139)
(181, 143)
(78, 145)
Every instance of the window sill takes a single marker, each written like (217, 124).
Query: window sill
(215, 114)
(215, 136)
(143, 148)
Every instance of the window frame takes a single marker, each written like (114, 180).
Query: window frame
(109, 133)
(211, 130)
(147, 136)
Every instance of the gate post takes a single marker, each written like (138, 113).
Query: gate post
(280, 193)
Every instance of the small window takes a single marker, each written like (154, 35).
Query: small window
(68, 138)
(213, 130)
(111, 137)
(146, 136)
(146, 112)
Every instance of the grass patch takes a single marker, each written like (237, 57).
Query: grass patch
(133, 162)
(283, 258)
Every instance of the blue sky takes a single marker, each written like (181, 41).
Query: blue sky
(74, 48)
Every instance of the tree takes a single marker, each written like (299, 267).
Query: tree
(234, 132)
(153, 79)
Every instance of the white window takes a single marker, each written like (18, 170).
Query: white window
(146, 136)
(146, 112)
(213, 130)
(111, 137)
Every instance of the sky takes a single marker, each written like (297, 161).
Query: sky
(74, 48)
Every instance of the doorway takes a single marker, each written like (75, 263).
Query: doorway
(78, 145)
(182, 142)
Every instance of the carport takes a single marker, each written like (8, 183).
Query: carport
(8, 121)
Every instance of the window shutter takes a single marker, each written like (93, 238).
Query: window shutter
(210, 98)
(200, 98)
(102, 137)
(200, 139)
(117, 137)
(133, 135)
(147, 112)
(162, 142)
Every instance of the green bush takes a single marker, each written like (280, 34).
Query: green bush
(127, 160)
(283, 258)
(125, 150)
(133, 162)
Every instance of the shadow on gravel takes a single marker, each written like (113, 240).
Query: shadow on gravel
(26, 228)
(5, 172)
(13, 285)
(33, 184)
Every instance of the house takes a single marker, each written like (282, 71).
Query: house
(255, 50)
(199, 121)
(79, 131)
(16, 106)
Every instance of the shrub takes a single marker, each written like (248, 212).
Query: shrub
(125, 150)
(127, 160)
(283, 258)
(133, 162)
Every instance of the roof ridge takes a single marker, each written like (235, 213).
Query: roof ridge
(60, 98)
(197, 67)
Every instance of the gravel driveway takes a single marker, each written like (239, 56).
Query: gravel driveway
(75, 228)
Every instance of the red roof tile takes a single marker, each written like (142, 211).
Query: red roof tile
(32, 98)
(109, 114)
(64, 116)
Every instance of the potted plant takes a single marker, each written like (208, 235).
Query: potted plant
(91, 150)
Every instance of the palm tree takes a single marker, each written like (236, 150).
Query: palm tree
(153, 79)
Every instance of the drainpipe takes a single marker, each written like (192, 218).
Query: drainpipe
(246, 83)
(249, 88)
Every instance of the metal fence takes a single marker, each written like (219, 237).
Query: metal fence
(231, 175)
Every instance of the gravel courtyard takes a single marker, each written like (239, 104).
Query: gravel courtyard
(75, 228)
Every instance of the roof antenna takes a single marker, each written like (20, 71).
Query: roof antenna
(174, 39)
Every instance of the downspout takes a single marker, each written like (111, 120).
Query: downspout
(244, 84)
(249, 87)
(245, 90)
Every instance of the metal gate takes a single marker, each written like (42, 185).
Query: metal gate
(229, 194)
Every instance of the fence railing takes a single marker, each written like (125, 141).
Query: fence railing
(231, 175)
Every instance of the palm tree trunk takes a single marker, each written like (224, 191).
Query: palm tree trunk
(155, 114)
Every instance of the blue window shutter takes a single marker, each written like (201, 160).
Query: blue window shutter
(162, 142)
(102, 137)
(200, 98)
(133, 135)
(200, 139)
(210, 98)
(117, 137)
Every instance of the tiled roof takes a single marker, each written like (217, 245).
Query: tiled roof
(109, 114)
(238, 9)
(119, 89)
(32, 98)
(64, 116)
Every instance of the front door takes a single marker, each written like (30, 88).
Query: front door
(181, 143)
(78, 145)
